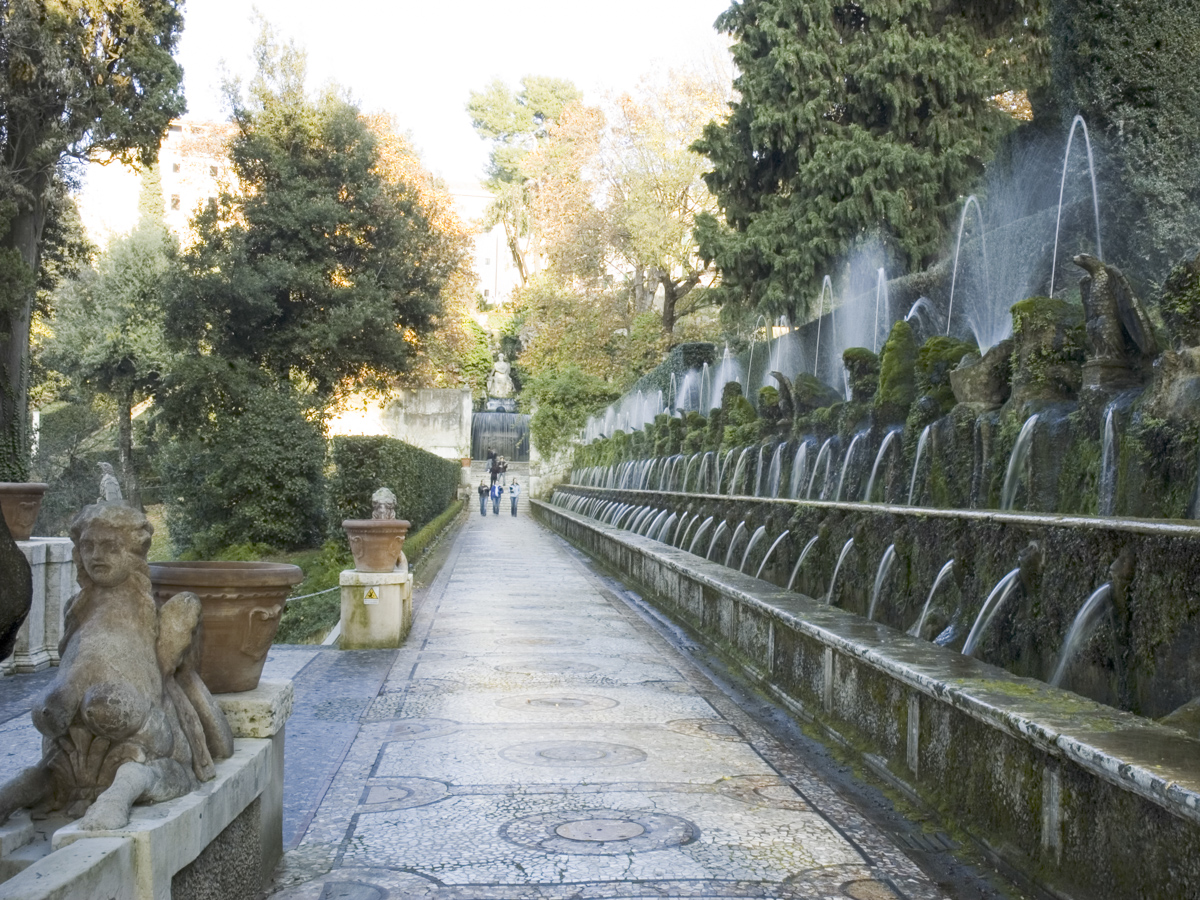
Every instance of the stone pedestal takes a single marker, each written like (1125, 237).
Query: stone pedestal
(223, 840)
(376, 609)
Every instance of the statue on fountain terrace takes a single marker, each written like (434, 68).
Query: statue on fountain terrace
(127, 719)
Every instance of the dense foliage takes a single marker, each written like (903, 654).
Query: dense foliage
(106, 326)
(424, 484)
(92, 77)
(562, 400)
(515, 122)
(1130, 69)
(854, 119)
(251, 471)
(318, 265)
(318, 275)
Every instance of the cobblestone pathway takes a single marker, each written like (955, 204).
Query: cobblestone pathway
(536, 738)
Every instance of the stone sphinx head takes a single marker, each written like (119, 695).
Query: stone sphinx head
(111, 543)
(383, 504)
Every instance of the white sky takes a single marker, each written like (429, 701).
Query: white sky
(420, 60)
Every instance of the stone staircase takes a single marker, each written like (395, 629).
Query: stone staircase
(516, 470)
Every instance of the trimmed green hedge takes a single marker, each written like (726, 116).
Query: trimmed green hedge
(424, 484)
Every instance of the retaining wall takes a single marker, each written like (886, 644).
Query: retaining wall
(1145, 658)
(1089, 801)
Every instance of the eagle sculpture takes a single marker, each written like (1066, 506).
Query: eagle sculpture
(1118, 328)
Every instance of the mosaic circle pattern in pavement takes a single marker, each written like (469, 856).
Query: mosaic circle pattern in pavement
(600, 832)
(567, 754)
(538, 642)
(564, 702)
(386, 794)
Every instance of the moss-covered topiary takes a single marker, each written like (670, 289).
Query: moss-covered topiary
(730, 390)
(1049, 349)
(714, 430)
(936, 358)
(897, 375)
(740, 411)
(863, 366)
(809, 393)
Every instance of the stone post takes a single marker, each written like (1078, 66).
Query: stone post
(376, 609)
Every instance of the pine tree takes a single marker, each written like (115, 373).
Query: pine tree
(855, 119)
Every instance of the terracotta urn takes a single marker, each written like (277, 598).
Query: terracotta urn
(242, 603)
(21, 501)
(377, 544)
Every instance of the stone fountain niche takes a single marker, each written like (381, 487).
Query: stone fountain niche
(498, 425)
(1080, 412)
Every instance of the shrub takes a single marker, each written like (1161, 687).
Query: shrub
(563, 401)
(249, 473)
(424, 484)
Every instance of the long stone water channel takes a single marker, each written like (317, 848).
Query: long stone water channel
(540, 736)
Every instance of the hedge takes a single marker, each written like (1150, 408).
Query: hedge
(424, 484)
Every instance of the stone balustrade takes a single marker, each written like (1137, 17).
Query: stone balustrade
(53, 585)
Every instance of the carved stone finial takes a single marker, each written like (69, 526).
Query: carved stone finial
(383, 504)
(110, 488)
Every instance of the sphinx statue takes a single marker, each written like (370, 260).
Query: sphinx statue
(1120, 336)
(127, 719)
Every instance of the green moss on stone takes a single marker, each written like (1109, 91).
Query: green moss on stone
(1049, 340)
(897, 375)
(1180, 303)
(936, 358)
(863, 368)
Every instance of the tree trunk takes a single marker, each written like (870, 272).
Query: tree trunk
(673, 292)
(129, 479)
(669, 301)
(24, 236)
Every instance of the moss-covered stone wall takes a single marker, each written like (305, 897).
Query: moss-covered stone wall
(1142, 659)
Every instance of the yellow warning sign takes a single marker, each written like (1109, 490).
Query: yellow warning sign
(370, 596)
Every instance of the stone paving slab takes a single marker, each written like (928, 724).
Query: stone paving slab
(535, 738)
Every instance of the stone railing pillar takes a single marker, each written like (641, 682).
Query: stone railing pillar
(53, 584)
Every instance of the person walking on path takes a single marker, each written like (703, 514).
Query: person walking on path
(496, 492)
(503, 463)
(494, 468)
(483, 495)
(514, 491)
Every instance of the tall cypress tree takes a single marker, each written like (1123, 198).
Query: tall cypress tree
(855, 119)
